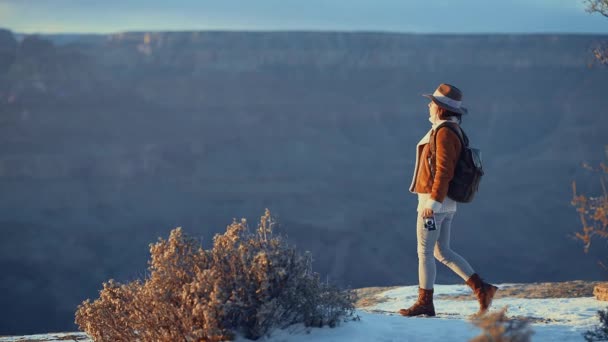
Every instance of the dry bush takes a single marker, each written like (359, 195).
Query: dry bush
(593, 211)
(248, 283)
(497, 327)
(600, 332)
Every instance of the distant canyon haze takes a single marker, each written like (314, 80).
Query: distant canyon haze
(109, 141)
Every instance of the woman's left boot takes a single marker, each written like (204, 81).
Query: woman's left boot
(423, 306)
(483, 291)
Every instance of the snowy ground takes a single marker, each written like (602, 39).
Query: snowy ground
(553, 319)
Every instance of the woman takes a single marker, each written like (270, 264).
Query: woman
(433, 202)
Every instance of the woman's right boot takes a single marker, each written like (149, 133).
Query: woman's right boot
(423, 306)
(483, 291)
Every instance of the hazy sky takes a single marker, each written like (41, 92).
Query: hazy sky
(430, 16)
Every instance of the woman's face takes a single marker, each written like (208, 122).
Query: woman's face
(433, 109)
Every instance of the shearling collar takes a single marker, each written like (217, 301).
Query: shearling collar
(425, 139)
(439, 122)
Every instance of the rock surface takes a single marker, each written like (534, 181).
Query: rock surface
(600, 291)
(369, 296)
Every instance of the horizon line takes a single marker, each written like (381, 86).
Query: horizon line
(305, 31)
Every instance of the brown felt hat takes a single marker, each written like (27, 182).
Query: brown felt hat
(449, 97)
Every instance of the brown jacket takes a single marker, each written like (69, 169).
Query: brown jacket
(448, 151)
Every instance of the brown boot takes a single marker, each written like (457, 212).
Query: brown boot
(484, 292)
(423, 306)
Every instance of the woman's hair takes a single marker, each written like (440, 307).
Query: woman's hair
(445, 114)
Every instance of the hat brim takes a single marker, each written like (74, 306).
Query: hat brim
(461, 110)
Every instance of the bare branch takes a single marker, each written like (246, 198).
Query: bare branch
(597, 6)
(601, 54)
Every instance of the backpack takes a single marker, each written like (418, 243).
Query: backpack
(468, 169)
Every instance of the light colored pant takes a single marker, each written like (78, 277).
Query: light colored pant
(436, 244)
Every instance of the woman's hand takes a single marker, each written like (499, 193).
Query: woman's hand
(427, 212)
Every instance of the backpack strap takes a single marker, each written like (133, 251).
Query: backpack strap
(464, 142)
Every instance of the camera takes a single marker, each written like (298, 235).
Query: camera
(429, 223)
